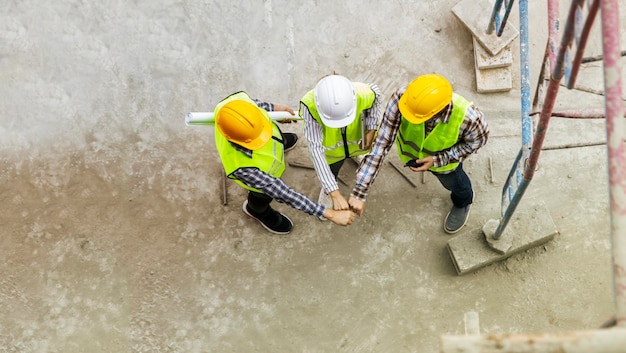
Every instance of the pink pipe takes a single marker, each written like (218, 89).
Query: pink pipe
(616, 150)
(553, 30)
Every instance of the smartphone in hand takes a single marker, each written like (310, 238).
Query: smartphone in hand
(413, 163)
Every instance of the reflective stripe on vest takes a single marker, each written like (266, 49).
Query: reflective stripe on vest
(411, 144)
(332, 138)
(269, 158)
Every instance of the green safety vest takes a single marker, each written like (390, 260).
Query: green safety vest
(269, 158)
(332, 138)
(411, 143)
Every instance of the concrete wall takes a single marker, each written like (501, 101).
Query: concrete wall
(114, 235)
(71, 64)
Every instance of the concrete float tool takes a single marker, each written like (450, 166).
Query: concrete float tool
(477, 248)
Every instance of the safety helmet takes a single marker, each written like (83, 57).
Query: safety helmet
(424, 97)
(243, 123)
(335, 101)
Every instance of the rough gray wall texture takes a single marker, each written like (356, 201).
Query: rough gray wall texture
(114, 237)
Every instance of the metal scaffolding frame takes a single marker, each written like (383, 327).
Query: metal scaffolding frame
(562, 60)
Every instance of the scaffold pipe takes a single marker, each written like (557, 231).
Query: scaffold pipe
(616, 150)
(603, 340)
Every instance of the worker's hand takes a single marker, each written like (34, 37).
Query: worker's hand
(339, 217)
(339, 202)
(284, 108)
(369, 139)
(356, 205)
(426, 163)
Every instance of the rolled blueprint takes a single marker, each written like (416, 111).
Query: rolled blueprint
(207, 118)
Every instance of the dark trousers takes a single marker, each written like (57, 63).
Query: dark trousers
(335, 167)
(459, 184)
(258, 203)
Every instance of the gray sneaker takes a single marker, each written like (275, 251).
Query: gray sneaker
(456, 219)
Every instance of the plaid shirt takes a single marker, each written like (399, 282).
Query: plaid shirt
(275, 187)
(474, 132)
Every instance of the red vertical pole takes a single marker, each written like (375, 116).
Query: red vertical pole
(551, 93)
(616, 150)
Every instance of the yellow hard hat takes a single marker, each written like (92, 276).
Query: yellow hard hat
(424, 97)
(243, 123)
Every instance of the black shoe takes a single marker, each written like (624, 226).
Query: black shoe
(291, 140)
(272, 220)
(456, 219)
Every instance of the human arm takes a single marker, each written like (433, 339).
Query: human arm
(278, 190)
(284, 108)
(369, 168)
(272, 107)
(339, 217)
(339, 202)
(424, 164)
(281, 192)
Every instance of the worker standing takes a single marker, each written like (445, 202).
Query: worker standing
(340, 121)
(434, 129)
(251, 148)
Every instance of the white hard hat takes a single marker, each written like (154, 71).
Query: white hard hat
(335, 100)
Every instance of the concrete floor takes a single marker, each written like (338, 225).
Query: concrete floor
(115, 237)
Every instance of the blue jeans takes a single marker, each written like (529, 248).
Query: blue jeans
(459, 184)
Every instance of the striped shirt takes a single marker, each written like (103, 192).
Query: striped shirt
(313, 134)
(474, 132)
(275, 187)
